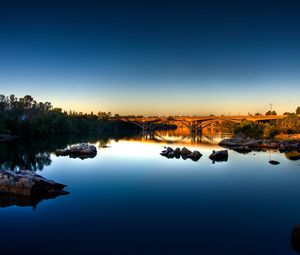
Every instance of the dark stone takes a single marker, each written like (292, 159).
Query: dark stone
(171, 154)
(177, 151)
(185, 152)
(195, 155)
(167, 151)
(219, 155)
(274, 162)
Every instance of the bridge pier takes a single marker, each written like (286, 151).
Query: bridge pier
(148, 135)
(194, 128)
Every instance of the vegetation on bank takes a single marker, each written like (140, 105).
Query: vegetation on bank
(26, 117)
(288, 125)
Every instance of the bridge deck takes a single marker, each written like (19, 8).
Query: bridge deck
(200, 119)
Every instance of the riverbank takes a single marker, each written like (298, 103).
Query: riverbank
(283, 143)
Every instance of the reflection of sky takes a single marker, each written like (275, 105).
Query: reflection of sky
(153, 58)
(129, 194)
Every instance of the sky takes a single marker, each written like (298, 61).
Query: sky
(153, 57)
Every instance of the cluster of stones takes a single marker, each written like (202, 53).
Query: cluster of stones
(27, 183)
(246, 144)
(82, 151)
(184, 153)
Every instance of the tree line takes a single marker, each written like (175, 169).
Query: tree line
(26, 117)
(290, 124)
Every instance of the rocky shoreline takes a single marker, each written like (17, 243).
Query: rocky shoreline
(26, 183)
(244, 144)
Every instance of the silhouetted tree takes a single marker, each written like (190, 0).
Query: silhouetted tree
(271, 113)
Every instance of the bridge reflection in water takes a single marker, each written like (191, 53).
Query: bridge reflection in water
(184, 136)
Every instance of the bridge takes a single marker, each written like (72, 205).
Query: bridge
(195, 124)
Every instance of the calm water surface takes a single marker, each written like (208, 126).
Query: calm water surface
(130, 200)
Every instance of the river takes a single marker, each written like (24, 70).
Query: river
(130, 200)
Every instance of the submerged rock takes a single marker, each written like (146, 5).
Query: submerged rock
(219, 155)
(274, 162)
(29, 184)
(82, 151)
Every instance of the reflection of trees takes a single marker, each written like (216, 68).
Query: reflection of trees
(17, 155)
(7, 200)
(35, 154)
(292, 155)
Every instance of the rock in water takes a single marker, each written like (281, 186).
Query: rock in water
(274, 162)
(27, 183)
(195, 155)
(185, 152)
(219, 155)
(167, 152)
(177, 151)
(82, 151)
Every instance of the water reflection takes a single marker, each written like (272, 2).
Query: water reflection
(292, 155)
(182, 136)
(35, 155)
(19, 155)
(7, 200)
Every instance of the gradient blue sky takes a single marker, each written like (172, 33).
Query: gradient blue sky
(153, 57)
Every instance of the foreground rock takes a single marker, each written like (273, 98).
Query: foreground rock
(184, 153)
(219, 155)
(246, 144)
(82, 151)
(27, 183)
